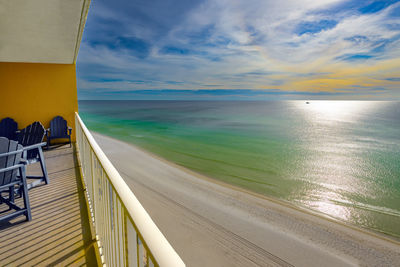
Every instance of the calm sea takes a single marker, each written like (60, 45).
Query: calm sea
(339, 158)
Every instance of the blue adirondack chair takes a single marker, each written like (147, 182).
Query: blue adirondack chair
(59, 129)
(31, 138)
(10, 166)
(8, 128)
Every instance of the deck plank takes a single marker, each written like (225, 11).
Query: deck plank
(59, 233)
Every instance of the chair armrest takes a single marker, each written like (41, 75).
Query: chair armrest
(26, 148)
(69, 130)
(10, 153)
(11, 168)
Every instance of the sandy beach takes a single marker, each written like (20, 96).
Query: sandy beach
(213, 224)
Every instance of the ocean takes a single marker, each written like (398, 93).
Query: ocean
(337, 158)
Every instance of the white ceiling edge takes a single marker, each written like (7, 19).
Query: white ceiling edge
(85, 11)
(41, 31)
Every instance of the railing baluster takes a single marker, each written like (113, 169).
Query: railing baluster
(108, 221)
(116, 245)
(128, 261)
(139, 251)
(132, 245)
(121, 243)
(105, 220)
(116, 233)
(113, 225)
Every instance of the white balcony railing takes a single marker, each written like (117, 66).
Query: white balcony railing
(125, 233)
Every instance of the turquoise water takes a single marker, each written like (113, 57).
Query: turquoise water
(340, 158)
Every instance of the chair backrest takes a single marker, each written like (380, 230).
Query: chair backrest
(58, 127)
(30, 135)
(8, 128)
(6, 161)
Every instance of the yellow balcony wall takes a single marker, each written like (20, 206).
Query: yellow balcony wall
(38, 92)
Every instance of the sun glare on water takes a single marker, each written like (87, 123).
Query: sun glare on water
(334, 110)
(335, 158)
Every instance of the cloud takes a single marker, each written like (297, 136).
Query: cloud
(292, 45)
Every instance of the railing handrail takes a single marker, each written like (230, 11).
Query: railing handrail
(163, 252)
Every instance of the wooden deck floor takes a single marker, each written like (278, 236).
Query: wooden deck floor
(59, 232)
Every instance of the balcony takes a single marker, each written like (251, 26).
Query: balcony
(87, 215)
(59, 232)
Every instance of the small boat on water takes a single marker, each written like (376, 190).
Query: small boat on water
(307, 102)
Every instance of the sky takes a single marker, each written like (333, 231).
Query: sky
(240, 50)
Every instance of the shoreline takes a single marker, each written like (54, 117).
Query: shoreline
(264, 202)
(377, 234)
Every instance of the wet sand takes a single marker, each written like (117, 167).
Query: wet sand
(210, 223)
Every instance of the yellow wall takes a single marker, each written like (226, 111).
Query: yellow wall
(38, 92)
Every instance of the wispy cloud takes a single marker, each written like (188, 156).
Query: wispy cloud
(292, 46)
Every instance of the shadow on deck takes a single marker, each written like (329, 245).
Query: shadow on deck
(59, 233)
